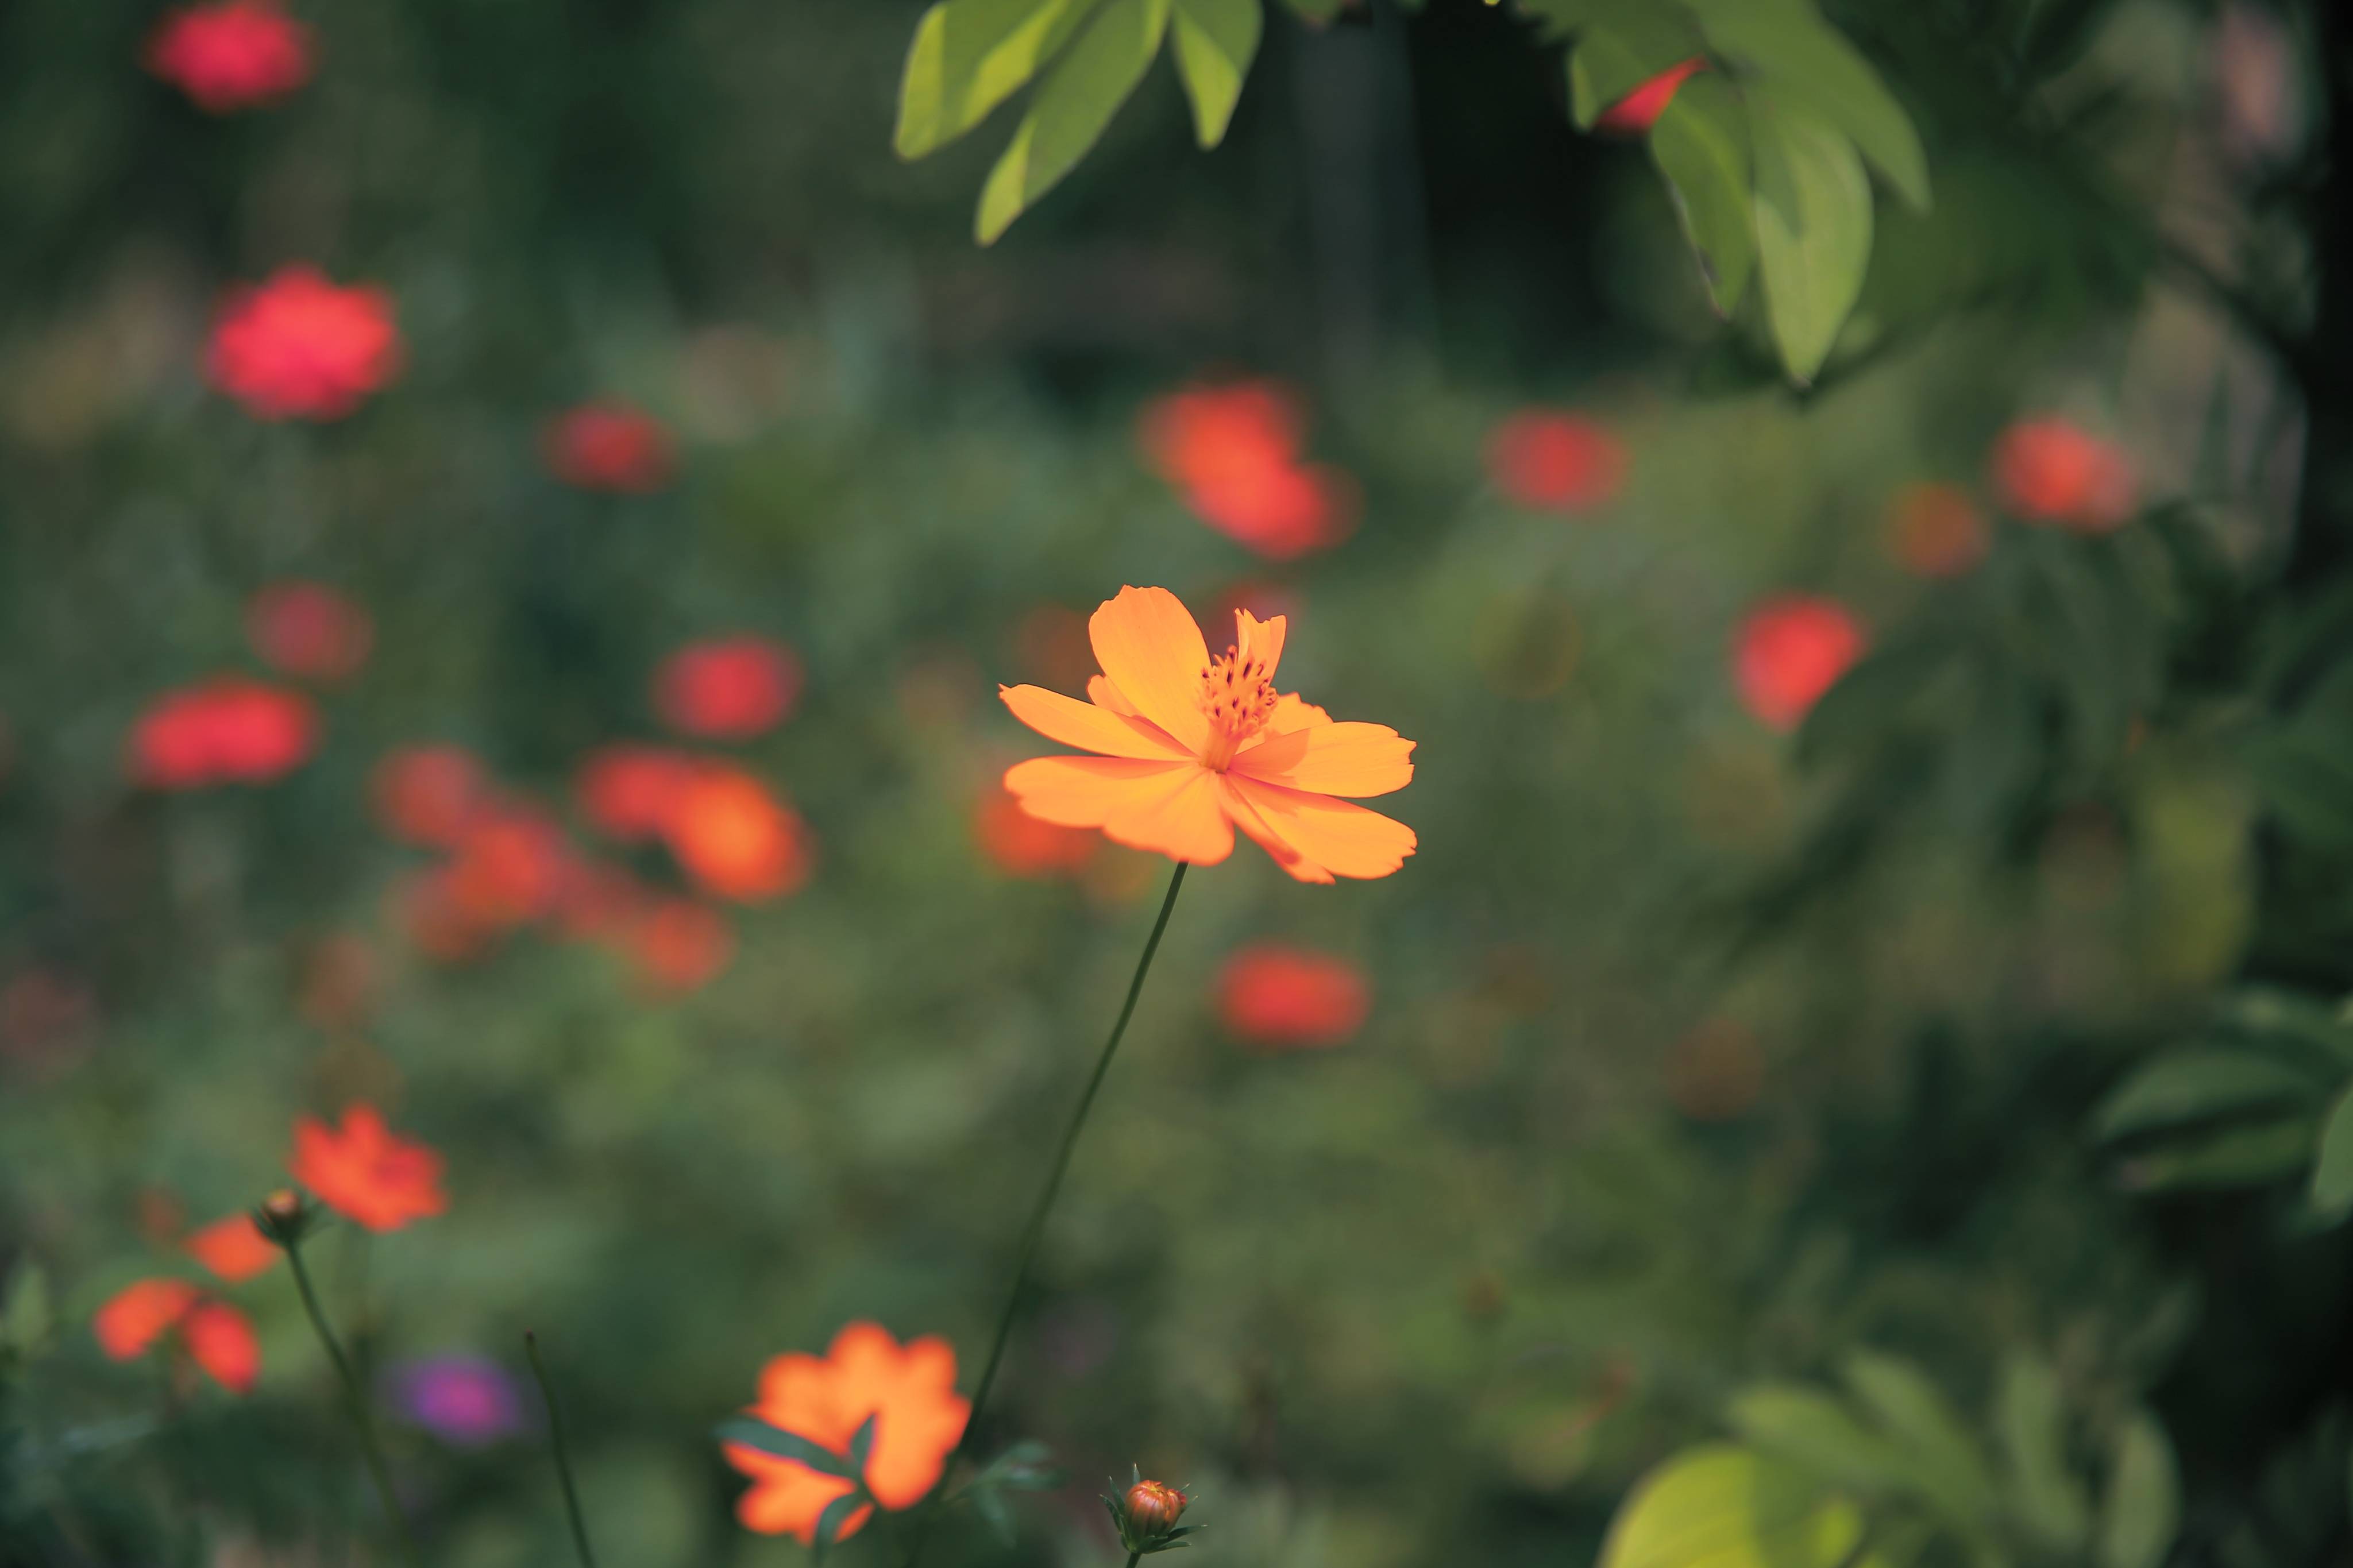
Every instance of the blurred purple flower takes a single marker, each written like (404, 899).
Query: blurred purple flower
(466, 1400)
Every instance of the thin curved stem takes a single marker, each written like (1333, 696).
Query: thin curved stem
(563, 1458)
(355, 1400)
(1037, 1226)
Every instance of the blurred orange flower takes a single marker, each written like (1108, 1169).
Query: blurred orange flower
(364, 1172)
(298, 347)
(2048, 469)
(310, 630)
(234, 55)
(626, 791)
(217, 1336)
(508, 867)
(1020, 845)
(428, 795)
(1234, 452)
(1281, 996)
(1936, 530)
(727, 689)
(228, 730)
(1556, 462)
(1634, 114)
(1790, 651)
(919, 1416)
(232, 1248)
(680, 945)
(1190, 749)
(608, 445)
(734, 837)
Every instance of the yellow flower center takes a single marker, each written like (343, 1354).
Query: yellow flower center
(1238, 699)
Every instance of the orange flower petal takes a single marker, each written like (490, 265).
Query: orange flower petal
(139, 1314)
(1292, 711)
(1148, 643)
(221, 1339)
(1088, 727)
(1104, 694)
(1169, 809)
(1286, 853)
(787, 1498)
(1332, 759)
(1346, 839)
(1254, 638)
(232, 1247)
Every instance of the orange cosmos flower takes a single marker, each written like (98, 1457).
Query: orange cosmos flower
(607, 446)
(229, 730)
(1634, 114)
(1191, 747)
(1556, 462)
(1285, 996)
(217, 1336)
(1790, 651)
(2051, 470)
(232, 1248)
(297, 347)
(309, 630)
(428, 794)
(366, 1174)
(919, 1416)
(727, 689)
(730, 834)
(1936, 530)
(235, 55)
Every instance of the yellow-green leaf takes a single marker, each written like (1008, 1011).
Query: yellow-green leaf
(1726, 1507)
(968, 57)
(1701, 146)
(1919, 1419)
(1622, 49)
(1073, 107)
(2045, 1496)
(1215, 41)
(1809, 61)
(2332, 1173)
(2143, 1508)
(1814, 228)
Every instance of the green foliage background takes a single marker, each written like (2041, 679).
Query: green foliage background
(1444, 1294)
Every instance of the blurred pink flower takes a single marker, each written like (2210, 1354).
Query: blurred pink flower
(298, 347)
(237, 54)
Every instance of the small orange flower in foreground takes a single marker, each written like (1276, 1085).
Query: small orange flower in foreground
(1634, 114)
(232, 1248)
(1791, 650)
(607, 446)
(239, 54)
(2049, 470)
(366, 1174)
(310, 630)
(1558, 462)
(1936, 530)
(1191, 747)
(1281, 996)
(919, 1416)
(727, 689)
(217, 1336)
(297, 347)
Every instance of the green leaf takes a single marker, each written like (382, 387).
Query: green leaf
(2332, 1173)
(1810, 62)
(753, 1433)
(1813, 228)
(1216, 40)
(1919, 1420)
(1701, 146)
(968, 57)
(1812, 1430)
(829, 1524)
(1072, 109)
(2193, 1085)
(24, 1316)
(2241, 1157)
(861, 1444)
(1727, 1506)
(1622, 49)
(2044, 1495)
(2143, 1507)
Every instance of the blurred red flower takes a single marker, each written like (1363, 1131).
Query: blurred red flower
(1233, 451)
(298, 347)
(679, 946)
(232, 1248)
(1558, 462)
(239, 54)
(310, 630)
(1020, 845)
(1790, 651)
(228, 730)
(1281, 997)
(737, 838)
(608, 445)
(217, 1336)
(423, 907)
(909, 1392)
(1936, 530)
(597, 902)
(2048, 469)
(508, 867)
(627, 790)
(428, 795)
(1634, 114)
(364, 1172)
(727, 689)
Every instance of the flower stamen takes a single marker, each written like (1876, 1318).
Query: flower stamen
(1238, 699)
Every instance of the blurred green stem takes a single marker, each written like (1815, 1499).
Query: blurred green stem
(1037, 1225)
(563, 1458)
(355, 1400)
(1134, 1558)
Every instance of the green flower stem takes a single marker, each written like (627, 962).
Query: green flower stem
(355, 1400)
(563, 1458)
(1037, 1225)
(1134, 1558)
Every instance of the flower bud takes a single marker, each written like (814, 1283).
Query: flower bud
(284, 1216)
(1153, 1508)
